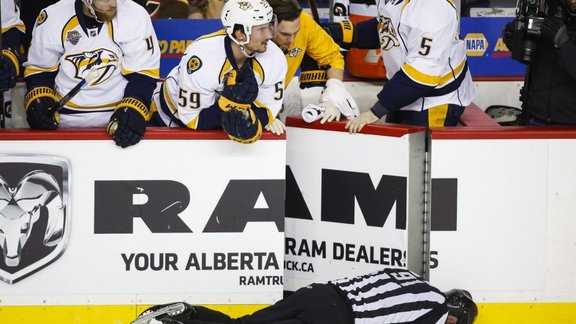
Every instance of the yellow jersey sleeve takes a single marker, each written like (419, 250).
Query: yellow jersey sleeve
(314, 41)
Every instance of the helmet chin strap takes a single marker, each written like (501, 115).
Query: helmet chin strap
(242, 45)
(243, 50)
(92, 11)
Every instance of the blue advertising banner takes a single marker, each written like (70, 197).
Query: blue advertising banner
(488, 56)
(174, 35)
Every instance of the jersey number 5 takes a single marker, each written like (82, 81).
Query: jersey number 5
(279, 92)
(425, 46)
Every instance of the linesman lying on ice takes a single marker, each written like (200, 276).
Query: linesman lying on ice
(386, 296)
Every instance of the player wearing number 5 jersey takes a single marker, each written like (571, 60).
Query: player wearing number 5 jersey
(429, 81)
(114, 38)
(232, 79)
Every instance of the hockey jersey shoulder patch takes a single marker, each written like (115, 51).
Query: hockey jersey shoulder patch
(73, 36)
(194, 64)
(41, 18)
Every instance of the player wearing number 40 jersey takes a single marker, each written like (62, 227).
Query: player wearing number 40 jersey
(232, 79)
(71, 38)
(387, 296)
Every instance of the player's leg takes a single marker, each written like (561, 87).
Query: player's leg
(181, 313)
(318, 303)
(439, 116)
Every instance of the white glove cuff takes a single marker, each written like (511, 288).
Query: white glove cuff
(337, 94)
(333, 87)
(334, 83)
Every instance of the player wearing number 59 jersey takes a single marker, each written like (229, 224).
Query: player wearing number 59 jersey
(114, 38)
(231, 79)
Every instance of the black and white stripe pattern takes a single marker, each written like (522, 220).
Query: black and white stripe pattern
(393, 296)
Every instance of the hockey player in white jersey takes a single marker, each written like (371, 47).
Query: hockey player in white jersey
(232, 79)
(10, 66)
(74, 37)
(12, 33)
(387, 296)
(429, 81)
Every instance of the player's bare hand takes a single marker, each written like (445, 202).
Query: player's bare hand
(356, 124)
(331, 112)
(451, 320)
(276, 127)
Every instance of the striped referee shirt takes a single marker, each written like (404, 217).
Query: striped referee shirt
(393, 296)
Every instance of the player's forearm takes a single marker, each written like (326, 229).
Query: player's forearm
(44, 79)
(367, 31)
(210, 118)
(262, 115)
(12, 38)
(361, 35)
(334, 73)
(140, 86)
(399, 92)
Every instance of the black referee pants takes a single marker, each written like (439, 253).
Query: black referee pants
(315, 304)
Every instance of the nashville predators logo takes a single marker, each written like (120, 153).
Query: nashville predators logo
(294, 52)
(41, 18)
(244, 5)
(104, 60)
(388, 35)
(194, 63)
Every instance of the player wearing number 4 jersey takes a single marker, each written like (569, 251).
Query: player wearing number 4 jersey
(74, 37)
(232, 79)
(387, 296)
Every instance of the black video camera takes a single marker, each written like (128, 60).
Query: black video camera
(530, 15)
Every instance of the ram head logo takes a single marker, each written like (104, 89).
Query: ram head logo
(37, 196)
(34, 222)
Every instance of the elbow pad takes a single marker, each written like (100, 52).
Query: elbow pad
(343, 33)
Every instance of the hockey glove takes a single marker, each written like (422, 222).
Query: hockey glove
(175, 313)
(554, 29)
(312, 112)
(40, 103)
(9, 69)
(343, 33)
(128, 122)
(311, 75)
(336, 94)
(241, 125)
(240, 89)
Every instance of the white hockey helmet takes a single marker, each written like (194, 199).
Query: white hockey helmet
(247, 14)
